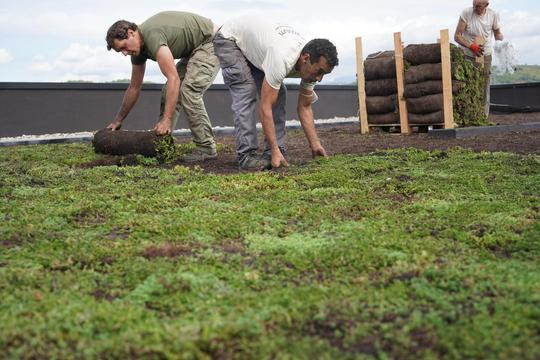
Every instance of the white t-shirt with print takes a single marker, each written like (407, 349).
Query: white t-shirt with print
(271, 47)
(480, 25)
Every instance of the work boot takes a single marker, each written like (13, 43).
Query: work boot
(266, 164)
(199, 155)
(252, 162)
(266, 161)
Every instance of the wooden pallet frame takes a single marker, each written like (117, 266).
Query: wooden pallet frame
(446, 64)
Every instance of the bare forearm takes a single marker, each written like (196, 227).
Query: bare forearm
(269, 130)
(461, 40)
(173, 91)
(305, 113)
(130, 98)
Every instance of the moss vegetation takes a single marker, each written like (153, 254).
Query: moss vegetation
(396, 254)
(166, 149)
(469, 101)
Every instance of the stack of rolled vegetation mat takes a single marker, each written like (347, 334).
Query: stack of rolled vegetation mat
(423, 87)
(381, 89)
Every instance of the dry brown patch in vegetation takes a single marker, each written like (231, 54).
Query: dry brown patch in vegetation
(170, 250)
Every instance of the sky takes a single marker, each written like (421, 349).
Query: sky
(57, 41)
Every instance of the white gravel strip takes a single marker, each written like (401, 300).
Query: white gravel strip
(47, 139)
(60, 138)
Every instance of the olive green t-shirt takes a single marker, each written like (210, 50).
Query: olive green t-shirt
(181, 31)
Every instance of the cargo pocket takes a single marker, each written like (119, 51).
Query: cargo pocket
(233, 75)
(200, 75)
(234, 67)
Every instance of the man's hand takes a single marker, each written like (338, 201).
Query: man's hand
(115, 125)
(278, 160)
(476, 49)
(318, 151)
(163, 127)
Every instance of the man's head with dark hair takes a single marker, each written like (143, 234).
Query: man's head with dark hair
(121, 37)
(321, 47)
(318, 58)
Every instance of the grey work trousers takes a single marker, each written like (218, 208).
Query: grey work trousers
(244, 82)
(197, 72)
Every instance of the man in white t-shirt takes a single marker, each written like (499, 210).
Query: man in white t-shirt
(476, 27)
(255, 56)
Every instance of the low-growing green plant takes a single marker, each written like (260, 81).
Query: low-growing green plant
(469, 101)
(166, 148)
(395, 254)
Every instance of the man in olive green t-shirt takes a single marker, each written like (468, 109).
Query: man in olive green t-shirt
(165, 37)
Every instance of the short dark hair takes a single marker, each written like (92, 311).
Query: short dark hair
(321, 47)
(119, 30)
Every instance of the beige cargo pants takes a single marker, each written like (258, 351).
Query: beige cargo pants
(197, 72)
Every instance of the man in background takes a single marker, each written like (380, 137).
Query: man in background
(255, 56)
(163, 38)
(476, 27)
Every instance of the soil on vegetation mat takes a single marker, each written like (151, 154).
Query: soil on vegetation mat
(348, 140)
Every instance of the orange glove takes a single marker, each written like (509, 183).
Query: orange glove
(476, 49)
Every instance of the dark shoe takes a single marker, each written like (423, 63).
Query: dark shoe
(252, 162)
(199, 155)
(266, 163)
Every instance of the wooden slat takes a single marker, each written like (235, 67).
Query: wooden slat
(400, 78)
(446, 63)
(364, 127)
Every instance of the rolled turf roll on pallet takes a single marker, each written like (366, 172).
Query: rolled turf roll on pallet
(424, 87)
(381, 75)
(435, 80)
(381, 88)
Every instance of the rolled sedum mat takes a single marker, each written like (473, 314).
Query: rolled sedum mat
(123, 142)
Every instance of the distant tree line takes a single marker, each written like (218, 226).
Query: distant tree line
(522, 74)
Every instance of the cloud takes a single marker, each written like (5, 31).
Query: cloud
(85, 20)
(520, 24)
(53, 23)
(520, 28)
(5, 56)
(77, 29)
(83, 62)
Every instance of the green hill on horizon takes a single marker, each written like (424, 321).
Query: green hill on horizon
(522, 74)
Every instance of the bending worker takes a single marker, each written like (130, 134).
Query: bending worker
(165, 37)
(255, 56)
(476, 27)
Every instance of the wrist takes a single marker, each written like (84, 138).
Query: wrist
(275, 150)
(314, 144)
